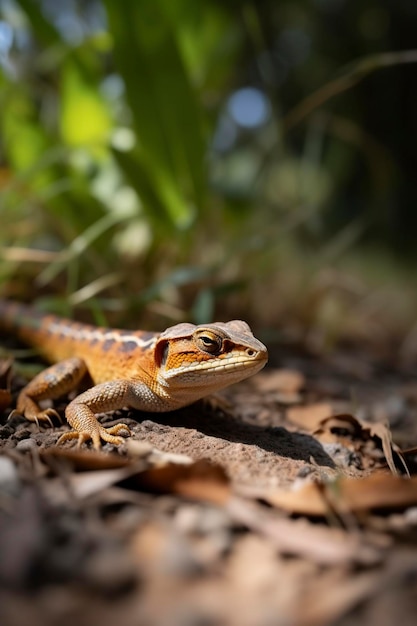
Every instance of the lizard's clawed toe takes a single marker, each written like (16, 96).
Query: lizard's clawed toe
(37, 417)
(111, 434)
(46, 415)
(12, 414)
(117, 428)
(72, 434)
(105, 434)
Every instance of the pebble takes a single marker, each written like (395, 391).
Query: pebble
(24, 445)
(9, 479)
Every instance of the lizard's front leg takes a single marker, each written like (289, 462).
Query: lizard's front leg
(80, 413)
(50, 384)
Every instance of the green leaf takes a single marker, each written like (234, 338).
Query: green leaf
(24, 139)
(162, 202)
(166, 113)
(85, 117)
(139, 178)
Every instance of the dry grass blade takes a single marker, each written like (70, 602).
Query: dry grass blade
(95, 287)
(349, 79)
(18, 254)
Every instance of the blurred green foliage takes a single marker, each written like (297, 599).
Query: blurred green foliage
(129, 185)
(105, 140)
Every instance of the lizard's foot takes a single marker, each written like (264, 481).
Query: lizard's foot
(36, 416)
(50, 384)
(96, 435)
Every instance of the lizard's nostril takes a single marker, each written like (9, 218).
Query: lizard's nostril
(250, 352)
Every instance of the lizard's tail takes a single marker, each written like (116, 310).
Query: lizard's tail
(14, 316)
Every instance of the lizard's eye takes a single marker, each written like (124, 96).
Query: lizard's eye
(208, 341)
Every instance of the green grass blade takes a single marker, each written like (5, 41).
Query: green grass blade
(166, 112)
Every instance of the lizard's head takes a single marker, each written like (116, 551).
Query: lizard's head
(209, 356)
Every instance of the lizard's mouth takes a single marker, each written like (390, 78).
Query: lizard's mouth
(219, 372)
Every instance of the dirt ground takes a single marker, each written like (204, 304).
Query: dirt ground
(282, 502)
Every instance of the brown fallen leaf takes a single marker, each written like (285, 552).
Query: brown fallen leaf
(201, 480)
(282, 380)
(321, 607)
(321, 544)
(88, 460)
(309, 417)
(84, 485)
(335, 427)
(383, 433)
(380, 491)
(139, 449)
(346, 428)
(82, 460)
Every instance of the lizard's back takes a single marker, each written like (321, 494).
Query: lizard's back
(109, 353)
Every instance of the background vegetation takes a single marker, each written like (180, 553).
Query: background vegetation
(180, 159)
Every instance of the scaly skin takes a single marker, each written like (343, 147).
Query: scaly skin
(143, 370)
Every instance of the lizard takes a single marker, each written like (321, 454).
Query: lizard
(148, 371)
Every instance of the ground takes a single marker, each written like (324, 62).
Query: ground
(282, 501)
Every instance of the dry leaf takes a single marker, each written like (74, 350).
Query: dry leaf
(311, 416)
(335, 427)
(346, 428)
(330, 598)
(138, 449)
(201, 480)
(281, 380)
(379, 491)
(159, 472)
(383, 433)
(323, 545)
(86, 484)
(82, 460)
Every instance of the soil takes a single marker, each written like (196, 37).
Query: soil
(282, 501)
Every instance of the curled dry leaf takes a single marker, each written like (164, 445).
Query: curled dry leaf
(383, 433)
(380, 491)
(346, 428)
